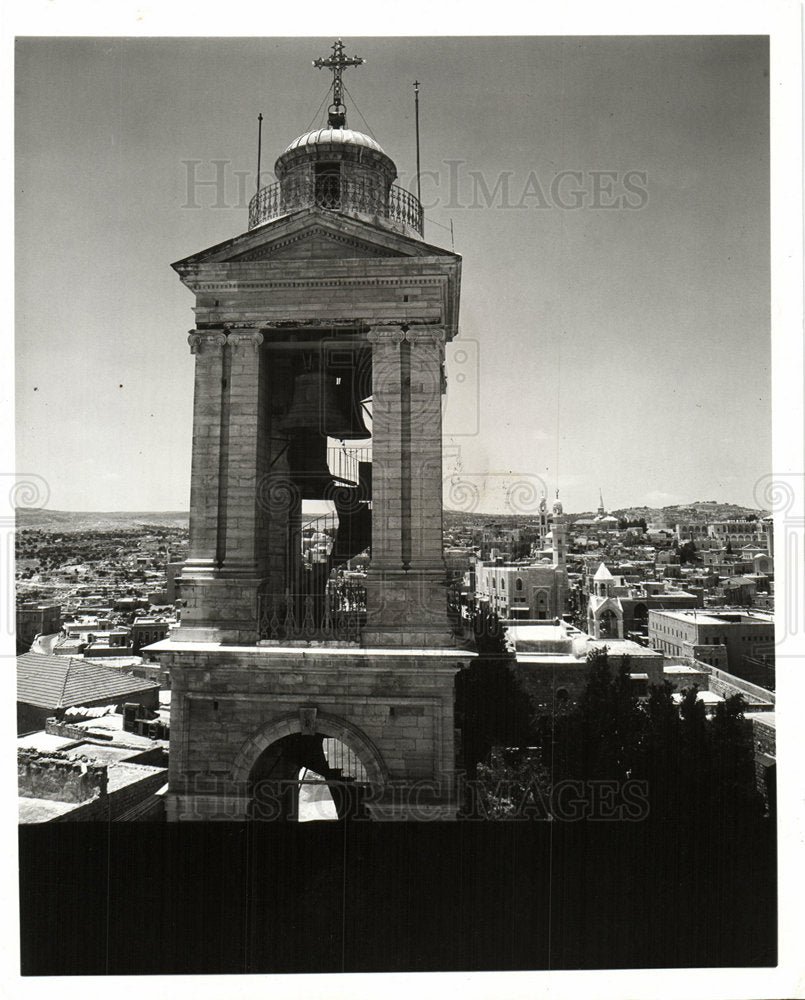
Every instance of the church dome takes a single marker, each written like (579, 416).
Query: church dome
(335, 136)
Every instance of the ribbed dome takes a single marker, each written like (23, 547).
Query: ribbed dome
(344, 136)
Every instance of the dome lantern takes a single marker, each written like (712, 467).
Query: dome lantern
(338, 169)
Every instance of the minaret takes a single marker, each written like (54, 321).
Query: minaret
(543, 522)
(601, 508)
(559, 545)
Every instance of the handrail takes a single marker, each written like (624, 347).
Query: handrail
(350, 195)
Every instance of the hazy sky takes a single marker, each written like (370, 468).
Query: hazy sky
(623, 348)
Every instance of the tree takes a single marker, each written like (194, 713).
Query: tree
(687, 552)
(490, 707)
(699, 771)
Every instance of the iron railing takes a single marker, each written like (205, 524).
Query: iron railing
(338, 615)
(349, 194)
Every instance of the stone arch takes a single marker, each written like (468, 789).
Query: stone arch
(640, 613)
(327, 725)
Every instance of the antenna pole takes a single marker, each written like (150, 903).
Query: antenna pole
(259, 146)
(416, 119)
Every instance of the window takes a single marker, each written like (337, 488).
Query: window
(328, 185)
(518, 584)
(503, 583)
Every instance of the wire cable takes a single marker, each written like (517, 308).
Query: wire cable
(318, 110)
(355, 105)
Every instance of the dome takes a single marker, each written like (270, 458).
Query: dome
(342, 136)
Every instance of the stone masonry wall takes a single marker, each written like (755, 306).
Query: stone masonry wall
(58, 777)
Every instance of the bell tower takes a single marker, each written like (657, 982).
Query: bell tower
(319, 344)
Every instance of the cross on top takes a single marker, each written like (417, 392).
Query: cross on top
(337, 62)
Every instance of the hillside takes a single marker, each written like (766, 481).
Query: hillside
(68, 520)
(698, 511)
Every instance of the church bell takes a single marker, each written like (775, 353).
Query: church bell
(319, 404)
(307, 464)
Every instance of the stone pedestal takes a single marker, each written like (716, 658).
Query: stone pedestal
(392, 708)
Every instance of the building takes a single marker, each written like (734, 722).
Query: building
(146, 629)
(173, 589)
(601, 522)
(35, 619)
(48, 685)
(736, 641)
(515, 591)
(536, 591)
(331, 297)
(552, 663)
(617, 609)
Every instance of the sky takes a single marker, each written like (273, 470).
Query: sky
(614, 325)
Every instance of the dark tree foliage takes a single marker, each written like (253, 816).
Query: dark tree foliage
(687, 553)
(698, 771)
(490, 707)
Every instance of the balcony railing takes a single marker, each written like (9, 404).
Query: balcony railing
(336, 616)
(348, 196)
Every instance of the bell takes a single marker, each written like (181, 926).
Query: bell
(307, 465)
(347, 423)
(308, 401)
(318, 404)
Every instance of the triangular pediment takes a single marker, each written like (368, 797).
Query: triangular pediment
(315, 234)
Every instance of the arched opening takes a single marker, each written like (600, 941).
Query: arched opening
(608, 625)
(308, 766)
(306, 778)
(641, 614)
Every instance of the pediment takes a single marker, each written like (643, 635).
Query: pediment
(315, 243)
(314, 234)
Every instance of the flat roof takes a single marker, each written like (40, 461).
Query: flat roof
(537, 632)
(764, 718)
(708, 697)
(44, 742)
(717, 616)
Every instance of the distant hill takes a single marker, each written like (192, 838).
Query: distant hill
(70, 520)
(698, 511)
(67, 520)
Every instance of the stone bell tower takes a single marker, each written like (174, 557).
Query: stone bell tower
(319, 373)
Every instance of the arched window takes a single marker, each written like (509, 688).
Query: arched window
(518, 584)
(503, 583)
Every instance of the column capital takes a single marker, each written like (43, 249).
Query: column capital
(201, 339)
(246, 338)
(425, 335)
(386, 335)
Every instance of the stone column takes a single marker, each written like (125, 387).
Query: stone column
(222, 576)
(207, 346)
(386, 448)
(407, 602)
(426, 360)
(203, 551)
(244, 448)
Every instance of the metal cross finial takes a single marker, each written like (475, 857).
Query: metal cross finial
(337, 62)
